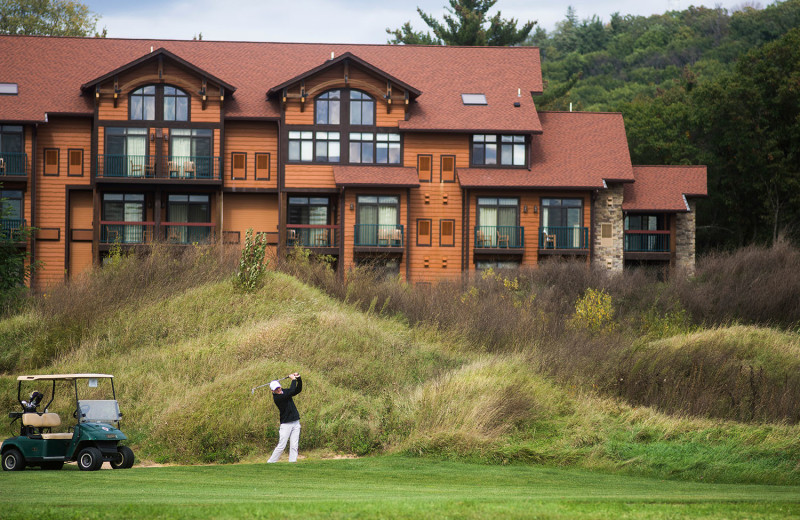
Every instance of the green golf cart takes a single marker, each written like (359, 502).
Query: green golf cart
(92, 440)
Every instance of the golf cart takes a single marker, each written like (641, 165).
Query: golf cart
(91, 441)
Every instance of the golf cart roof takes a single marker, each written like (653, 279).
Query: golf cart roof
(64, 377)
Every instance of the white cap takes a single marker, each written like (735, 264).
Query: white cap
(274, 385)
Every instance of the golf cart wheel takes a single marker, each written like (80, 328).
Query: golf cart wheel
(13, 460)
(124, 459)
(90, 459)
(53, 466)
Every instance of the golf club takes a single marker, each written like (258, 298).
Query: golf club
(253, 390)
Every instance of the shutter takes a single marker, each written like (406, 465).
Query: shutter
(448, 168)
(424, 167)
(239, 166)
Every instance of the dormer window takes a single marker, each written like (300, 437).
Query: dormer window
(505, 150)
(159, 103)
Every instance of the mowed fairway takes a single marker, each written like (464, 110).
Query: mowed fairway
(378, 487)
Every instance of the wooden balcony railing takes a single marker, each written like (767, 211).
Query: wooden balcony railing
(310, 235)
(563, 237)
(193, 167)
(499, 237)
(647, 241)
(13, 164)
(378, 235)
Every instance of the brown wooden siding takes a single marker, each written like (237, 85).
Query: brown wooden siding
(62, 134)
(251, 138)
(309, 176)
(242, 211)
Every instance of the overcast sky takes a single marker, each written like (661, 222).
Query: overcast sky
(334, 21)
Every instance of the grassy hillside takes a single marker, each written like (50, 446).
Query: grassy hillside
(187, 356)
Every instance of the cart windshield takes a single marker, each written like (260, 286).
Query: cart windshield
(99, 411)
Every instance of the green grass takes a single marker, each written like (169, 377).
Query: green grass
(378, 487)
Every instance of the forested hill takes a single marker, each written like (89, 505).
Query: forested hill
(698, 86)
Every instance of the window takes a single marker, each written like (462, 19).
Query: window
(119, 208)
(11, 205)
(562, 223)
(190, 153)
(387, 148)
(327, 107)
(362, 109)
(498, 221)
(645, 222)
(126, 152)
(143, 104)
(301, 146)
(262, 166)
(448, 169)
(327, 147)
(309, 211)
(51, 161)
(362, 147)
(238, 166)
(12, 156)
(176, 104)
(423, 232)
(159, 103)
(9, 89)
(374, 148)
(188, 209)
(473, 99)
(447, 235)
(75, 163)
(378, 221)
(512, 150)
(425, 167)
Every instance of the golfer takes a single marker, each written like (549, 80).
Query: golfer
(290, 417)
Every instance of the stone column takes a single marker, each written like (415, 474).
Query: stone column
(685, 224)
(608, 232)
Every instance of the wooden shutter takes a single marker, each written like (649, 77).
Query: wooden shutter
(423, 232)
(448, 168)
(425, 167)
(447, 232)
(262, 166)
(238, 166)
(75, 163)
(51, 161)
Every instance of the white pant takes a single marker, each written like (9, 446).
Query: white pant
(288, 432)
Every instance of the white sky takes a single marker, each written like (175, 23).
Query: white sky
(334, 21)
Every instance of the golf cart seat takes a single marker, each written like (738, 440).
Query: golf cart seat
(45, 420)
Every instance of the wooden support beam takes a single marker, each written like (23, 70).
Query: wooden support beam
(161, 67)
(346, 71)
(203, 95)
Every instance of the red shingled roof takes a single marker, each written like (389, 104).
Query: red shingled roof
(50, 72)
(384, 176)
(662, 188)
(575, 150)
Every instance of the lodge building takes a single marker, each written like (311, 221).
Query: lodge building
(432, 161)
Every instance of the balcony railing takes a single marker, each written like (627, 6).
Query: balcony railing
(13, 163)
(126, 232)
(309, 235)
(563, 237)
(162, 167)
(11, 228)
(188, 232)
(499, 237)
(647, 241)
(378, 235)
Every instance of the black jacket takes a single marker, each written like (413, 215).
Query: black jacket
(285, 404)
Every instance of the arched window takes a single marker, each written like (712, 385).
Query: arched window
(362, 109)
(143, 104)
(176, 104)
(327, 108)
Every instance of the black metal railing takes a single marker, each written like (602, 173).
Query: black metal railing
(647, 241)
(563, 237)
(378, 235)
(195, 167)
(310, 235)
(499, 237)
(13, 163)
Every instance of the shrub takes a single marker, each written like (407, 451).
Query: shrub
(252, 264)
(595, 311)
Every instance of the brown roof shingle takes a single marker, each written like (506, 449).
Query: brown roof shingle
(662, 188)
(575, 150)
(50, 72)
(383, 176)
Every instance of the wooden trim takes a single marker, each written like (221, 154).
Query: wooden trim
(48, 234)
(81, 235)
(258, 156)
(237, 189)
(234, 169)
(452, 234)
(231, 237)
(430, 232)
(48, 166)
(70, 152)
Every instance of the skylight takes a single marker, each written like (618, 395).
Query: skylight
(9, 89)
(474, 99)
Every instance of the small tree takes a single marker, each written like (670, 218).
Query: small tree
(253, 263)
(15, 270)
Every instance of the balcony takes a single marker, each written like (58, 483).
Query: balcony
(137, 233)
(647, 245)
(190, 167)
(378, 238)
(13, 164)
(313, 237)
(11, 228)
(561, 240)
(499, 239)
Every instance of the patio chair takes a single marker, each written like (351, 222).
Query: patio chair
(321, 238)
(136, 169)
(383, 236)
(483, 239)
(550, 241)
(2, 165)
(173, 168)
(188, 169)
(502, 238)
